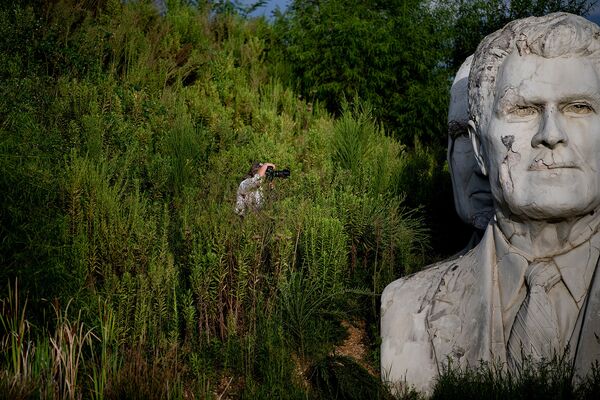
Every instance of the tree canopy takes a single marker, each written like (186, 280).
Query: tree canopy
(398, 55)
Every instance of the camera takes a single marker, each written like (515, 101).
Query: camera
(273, 173)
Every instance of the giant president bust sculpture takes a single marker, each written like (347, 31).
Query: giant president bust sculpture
(531, 287)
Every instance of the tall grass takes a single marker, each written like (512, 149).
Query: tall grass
(67, 346)
(123, 138)
(546, 379)
(48, 365)
(16, 348)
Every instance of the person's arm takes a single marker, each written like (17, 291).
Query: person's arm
(263, 169)
(249, 185)
(255, 181)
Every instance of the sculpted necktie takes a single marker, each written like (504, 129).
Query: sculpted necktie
(536, 331)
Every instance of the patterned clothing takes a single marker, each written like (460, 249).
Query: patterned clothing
(249, 195)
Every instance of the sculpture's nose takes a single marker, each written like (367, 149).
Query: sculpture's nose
(550, 132)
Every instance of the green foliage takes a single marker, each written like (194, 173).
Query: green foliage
(425, 180)
(339, 377)
(387, 53)
(304, 304)
(547, 379)
(274, 373)
(124, 136)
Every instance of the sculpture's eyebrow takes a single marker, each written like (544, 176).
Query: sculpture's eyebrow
(511, 97)
(592, 97)
(508, 99)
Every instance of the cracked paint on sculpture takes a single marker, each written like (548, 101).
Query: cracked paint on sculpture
(530, 286)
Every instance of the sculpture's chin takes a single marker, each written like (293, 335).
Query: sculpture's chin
(551, 211)
(544, 196)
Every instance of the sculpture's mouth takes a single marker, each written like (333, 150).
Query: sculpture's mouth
(540, 165)
(480, 193)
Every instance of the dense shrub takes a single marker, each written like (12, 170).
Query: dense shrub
(124, 137)
(386, 52)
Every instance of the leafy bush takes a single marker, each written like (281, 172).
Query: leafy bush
(387, 53)
(124, 137)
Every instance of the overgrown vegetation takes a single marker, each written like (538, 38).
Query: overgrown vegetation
(400, 56)
(123, 138)
(546, 379)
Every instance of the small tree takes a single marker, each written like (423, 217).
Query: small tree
(387, 52)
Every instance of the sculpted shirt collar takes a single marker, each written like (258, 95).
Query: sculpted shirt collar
(576, 275)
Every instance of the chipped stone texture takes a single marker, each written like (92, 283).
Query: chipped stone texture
(534, 95)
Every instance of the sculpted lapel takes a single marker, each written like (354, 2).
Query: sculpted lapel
(465, 322)
(447, 313)
(407, 353)
(588, 342)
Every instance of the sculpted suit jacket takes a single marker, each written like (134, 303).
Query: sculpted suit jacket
(451, 312)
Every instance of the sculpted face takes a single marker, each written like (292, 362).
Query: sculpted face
(472, 197)
(531, 287)
(541, 148)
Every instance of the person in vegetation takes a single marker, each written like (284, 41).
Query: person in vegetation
(472, 193)
(250, 192)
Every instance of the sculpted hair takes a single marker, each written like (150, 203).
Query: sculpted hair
(550, 36)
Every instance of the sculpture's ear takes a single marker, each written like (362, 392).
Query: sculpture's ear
(476, 142)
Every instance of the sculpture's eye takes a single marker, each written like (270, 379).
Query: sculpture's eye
(524, 111)
(578, 108)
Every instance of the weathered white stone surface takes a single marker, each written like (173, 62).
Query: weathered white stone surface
(532, 283)
(471, 189)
